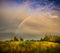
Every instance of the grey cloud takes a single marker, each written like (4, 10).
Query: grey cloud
(6, 36)
(8, 24)
(39, 22)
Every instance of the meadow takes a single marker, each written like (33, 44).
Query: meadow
(29, 46)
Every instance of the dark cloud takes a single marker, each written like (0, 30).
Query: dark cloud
(6, 36)
(8, 25)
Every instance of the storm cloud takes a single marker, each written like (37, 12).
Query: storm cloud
(25, 21)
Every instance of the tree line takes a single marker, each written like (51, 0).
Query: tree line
(49, 38)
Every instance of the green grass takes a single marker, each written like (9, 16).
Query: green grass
(29, 47)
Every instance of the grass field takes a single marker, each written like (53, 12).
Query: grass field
(29, 47)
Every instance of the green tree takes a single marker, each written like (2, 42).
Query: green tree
(46, 38)
(41, 39)
(15, 39)
(21, 39)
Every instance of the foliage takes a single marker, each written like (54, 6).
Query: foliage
(21, 39)
(51, 38)
(29, 47)
(15, 39)
(48, 44)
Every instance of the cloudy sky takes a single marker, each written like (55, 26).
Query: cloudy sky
(29, 18)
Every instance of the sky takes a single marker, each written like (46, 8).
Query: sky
(29, 18)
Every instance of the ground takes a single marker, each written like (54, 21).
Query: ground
(29, 47)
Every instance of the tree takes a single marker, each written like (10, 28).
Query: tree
(21, 39)
(41, 39)
(15, 39)
(46, 38)
(52, 38)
